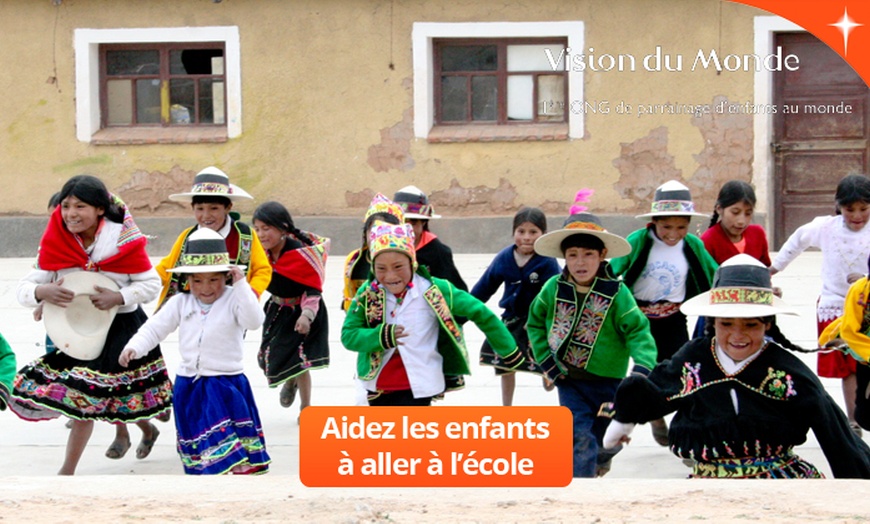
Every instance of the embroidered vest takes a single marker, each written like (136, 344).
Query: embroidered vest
(575, 329)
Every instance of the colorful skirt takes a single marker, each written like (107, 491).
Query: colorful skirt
(218, 425)
(284, 353)
(56, 384)
(517, 327)
(785, 466)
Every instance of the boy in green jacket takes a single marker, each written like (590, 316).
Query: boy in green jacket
(402, 323)
(583, 327)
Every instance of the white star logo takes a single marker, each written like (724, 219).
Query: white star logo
(846, 25)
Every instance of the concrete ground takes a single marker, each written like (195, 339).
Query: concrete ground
(31, 453)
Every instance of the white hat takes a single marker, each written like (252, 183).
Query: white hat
(211, 181)
(550, 245)
(80, 329)
(741, 289)
(672, 199)
(414, 203)
(205, 251)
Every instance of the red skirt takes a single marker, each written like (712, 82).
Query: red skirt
(835, 364)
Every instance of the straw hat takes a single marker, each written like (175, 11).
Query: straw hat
(550, 245)
(415, 203)
(211, 181)
(672, 199)
(80, 329)
(741, 289)
(204, 252)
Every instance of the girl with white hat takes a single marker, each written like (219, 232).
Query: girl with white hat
(92, 273)
(217, 421)
(742, 402)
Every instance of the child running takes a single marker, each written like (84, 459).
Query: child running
(844, 240)
(742, 402)
(523, 273)
(219, 429)
(296, 333)
(667, 266)
(7, 371)
(583, 328)
(402, 323)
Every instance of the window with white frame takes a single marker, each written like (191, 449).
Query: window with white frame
(155, 80)
(496, 73)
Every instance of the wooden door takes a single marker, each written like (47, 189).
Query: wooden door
(820, 132)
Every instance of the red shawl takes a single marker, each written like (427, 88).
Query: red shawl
(305, 264)
(59, 249)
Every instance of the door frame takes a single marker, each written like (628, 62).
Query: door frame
(763, 159)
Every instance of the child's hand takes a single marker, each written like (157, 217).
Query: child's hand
(851, 278)
(399, 334)
(54, 293)
(236, 273)
(777, 291)
(126, 356)
(303, 325)
(106, 298)
(37, 312)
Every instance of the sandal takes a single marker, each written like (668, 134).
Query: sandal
(288, 393)
(117, 449)
(144, 447)
(164, 415)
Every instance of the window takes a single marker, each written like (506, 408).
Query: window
(500, 81)
(135, 77)
(487, 81)
(158, 85)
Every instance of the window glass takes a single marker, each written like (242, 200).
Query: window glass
(148, 101)
(484, 98)
(454, 98)
(535, 57)
(132, 63)
(469, 58)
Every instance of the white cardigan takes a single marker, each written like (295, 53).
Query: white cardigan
(210, 343)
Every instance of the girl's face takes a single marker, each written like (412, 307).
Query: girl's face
(740, 338)
(393, 271)
(524, 237)
(270, 237)
(856, 215)
(417, 225)
(211, 216)
(79, 217)
(671, 230)
(583, 264)
(207, 287)
(735, 219)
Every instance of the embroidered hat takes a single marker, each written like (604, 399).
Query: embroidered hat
(204, 252)
(211, 181)
(80, 329)
(385, 237)
(381, 204)
(550, 245)
(415, 203)
(741, 289)
(672, 199)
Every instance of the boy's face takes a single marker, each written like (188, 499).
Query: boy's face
(583, 263)
(671, 230)
(210, 215)
(207, 287)
(393, 271)
(856, 215)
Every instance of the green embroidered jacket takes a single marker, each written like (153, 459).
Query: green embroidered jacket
(365, 332)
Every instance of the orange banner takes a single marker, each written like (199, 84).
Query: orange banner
(842, 24)
(361, 446)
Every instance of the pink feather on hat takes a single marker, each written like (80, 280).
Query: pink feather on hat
(582, 196)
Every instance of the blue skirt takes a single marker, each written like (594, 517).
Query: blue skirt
(218, 425)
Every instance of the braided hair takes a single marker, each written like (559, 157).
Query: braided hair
(274, 214)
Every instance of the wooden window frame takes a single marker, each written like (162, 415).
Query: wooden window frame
(502, 74)
(164, 75)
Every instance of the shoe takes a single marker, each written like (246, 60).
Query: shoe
(288, 393)
(856, 429)
(660, 431)
(117, 449)
(548, 384)
(603, 468)
(689, 463)
(145, 446)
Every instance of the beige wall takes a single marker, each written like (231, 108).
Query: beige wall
(318, 96)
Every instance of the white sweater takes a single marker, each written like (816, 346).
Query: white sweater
(210, 343)
(843, 251)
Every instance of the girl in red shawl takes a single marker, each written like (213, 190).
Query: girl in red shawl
(296, 330)
(91, 230)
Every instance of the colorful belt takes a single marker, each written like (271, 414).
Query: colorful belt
(658, 309)
(290, 302)
(787, 465)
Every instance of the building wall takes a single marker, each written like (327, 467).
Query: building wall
(328, 108)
